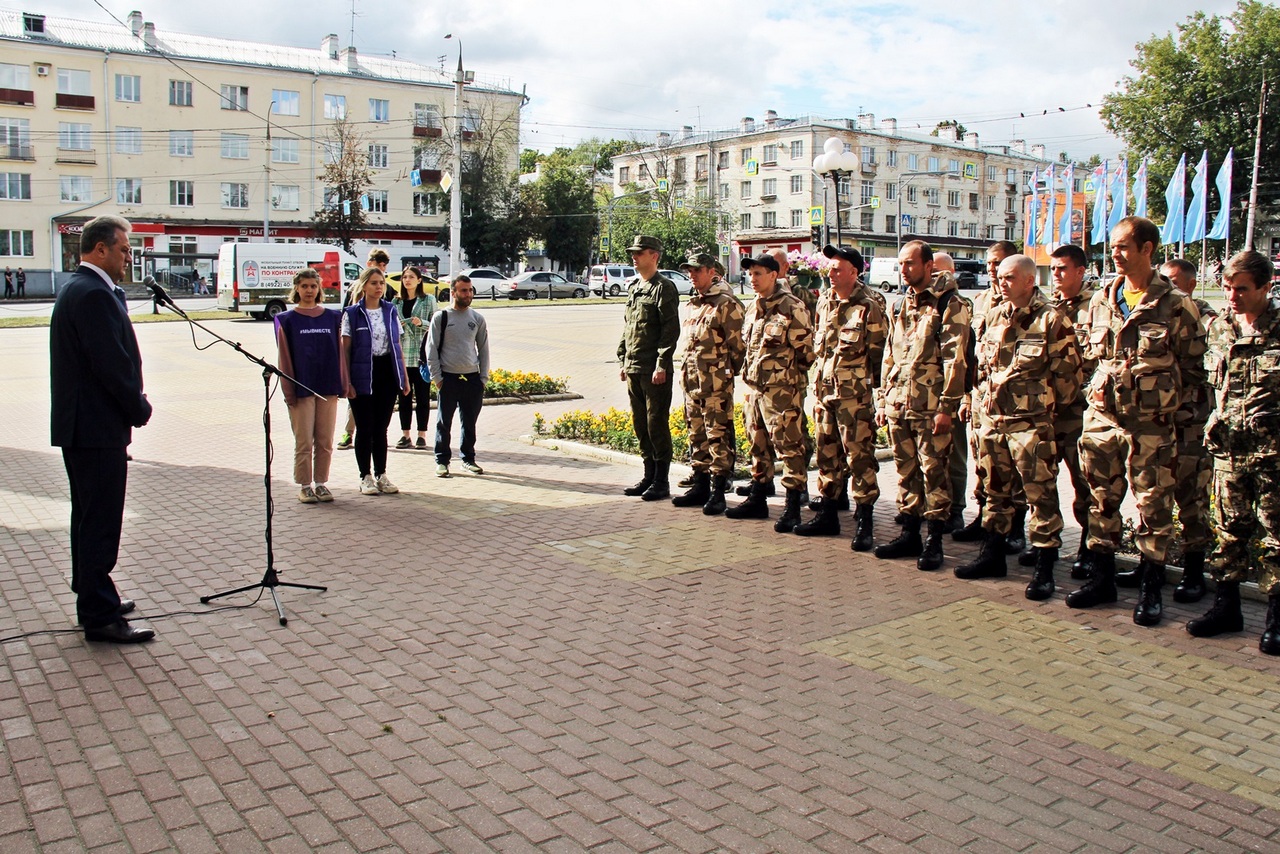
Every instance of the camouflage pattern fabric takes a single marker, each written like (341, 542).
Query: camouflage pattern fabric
(983, 304)
(774, 428)
(1193, 475)
(779, 342)
(713, 356)
(1069, 417)
(924, 485)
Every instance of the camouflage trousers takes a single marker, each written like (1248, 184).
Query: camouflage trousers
(845, 440)
(1024, 453)
(1247, 503)
(979, 470)
(1142, 454)
(959, 468)
(773, 422)
(922, 458)
(651, 416)
(711, 435)
(1193, 479)
(1067, 426)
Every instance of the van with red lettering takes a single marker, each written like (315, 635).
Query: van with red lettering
(255, 278)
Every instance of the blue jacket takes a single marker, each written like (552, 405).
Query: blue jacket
(361, 364)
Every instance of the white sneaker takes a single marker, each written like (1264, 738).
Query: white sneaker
(442, 470)
(367, 486)
(323, 493)
(472, 467)
(307, 495)
(384, 484)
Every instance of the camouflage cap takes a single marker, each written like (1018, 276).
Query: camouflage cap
(644, 241)
(720, 270)
(698, 260)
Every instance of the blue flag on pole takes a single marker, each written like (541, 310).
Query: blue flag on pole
(1140, 190)
(1064, 224)
(1198, 210)
(1222, 223)
(1119, 189)
(1033, 212)
(1176, 195)
(1099, 234)
(1048, 234)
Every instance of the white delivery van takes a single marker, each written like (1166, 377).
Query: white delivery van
(884, 274)
(256, 277)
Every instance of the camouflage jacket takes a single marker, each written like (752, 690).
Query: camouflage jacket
(1201, 404)
(1076, 311)
(713, 348)
(924, 361)
(1149, 362)
(850, 345)
(652, 326)
(1244, 372)
(779, 342)
(1028, 363)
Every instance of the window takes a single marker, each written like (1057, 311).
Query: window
(892, 158)
(284, 197)
(470, 121)
(182, 143)
(912, 195)
(746, 155)
(15, 186)
(128, 88)
(724, 191)
(426, 116)
(680, 170)
(182, 194)
(644, 171)
(930, 226)
(378, 201)
(15, 76)
(769, 219)
(661, 169)
(744, 190)
(931, 195)
(701, 164)
(797, 149)
(913, 162)
(890, 191)
(234, 97)
(427, 204)
(1026, 178)
(992, 173)
(973, 201)
(74, 137)
(843, 187)
(933, 164)
(235, 146)
(953, 228)
(235, 195)
(700, 192)
(868, 191)
(797, 183)
(284, 102)
(17, 243)
(797, 218)
(73, 82)
(722, 160)
(868, 155)
(379, 110)
(770, 154)
(378, 156)
(953, 165)
(971, 230)
(335, 106)
(1009, 205)
(1011, 176)
(284, 151)
(76, 188)
(953, 198)
(624, 174)
(129, 191)
(128, 140)
(332, 151)
(744, 222)
(868, 222)
(991, 203)
(769, 186)
(180, 93)
(891, 224)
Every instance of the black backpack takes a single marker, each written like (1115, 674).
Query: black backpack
(970, 347)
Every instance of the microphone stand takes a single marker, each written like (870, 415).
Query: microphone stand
(270, 579)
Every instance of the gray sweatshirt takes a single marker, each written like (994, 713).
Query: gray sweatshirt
(466, 344)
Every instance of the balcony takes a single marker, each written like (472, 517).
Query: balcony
(17, 151)
(868, 167)
(700, 175)
(1012, 189)
(63, 101)
(427, 131)
(17, 97)
(82, 156)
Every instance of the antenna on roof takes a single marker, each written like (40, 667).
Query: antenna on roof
(351, 42)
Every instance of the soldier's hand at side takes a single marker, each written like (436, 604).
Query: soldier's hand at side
(941, 424)
(963, 412)
(881, 418)
(622, 375)
(659, 377)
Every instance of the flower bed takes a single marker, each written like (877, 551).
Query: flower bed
(504, 383)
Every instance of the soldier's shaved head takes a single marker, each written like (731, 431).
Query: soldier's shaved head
(943, 263)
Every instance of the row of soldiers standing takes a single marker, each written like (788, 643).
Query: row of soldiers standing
(1110, 382)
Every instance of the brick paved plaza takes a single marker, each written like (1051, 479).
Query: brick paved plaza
(529, 661)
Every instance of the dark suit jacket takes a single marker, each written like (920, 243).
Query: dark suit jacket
(95, 367)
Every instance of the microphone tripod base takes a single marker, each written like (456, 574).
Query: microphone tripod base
(270, 581)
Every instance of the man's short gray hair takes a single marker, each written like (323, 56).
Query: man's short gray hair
(102, 230)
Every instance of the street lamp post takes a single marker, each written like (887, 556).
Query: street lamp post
(835, 161)
(902, 176)
(460, 78)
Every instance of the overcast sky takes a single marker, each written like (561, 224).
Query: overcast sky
(631, 69)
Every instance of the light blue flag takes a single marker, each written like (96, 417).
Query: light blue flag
(1119, 189)
(1048, 232)
(1099, 234)
(1140, 190)
(1222, 223)
(1064, 224)
(1176, 195)
(1198, 210)
(1033, 213)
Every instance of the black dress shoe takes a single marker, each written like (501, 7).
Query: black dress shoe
(127, 606)
(119, 632)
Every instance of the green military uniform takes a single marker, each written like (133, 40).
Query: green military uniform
(1193, 477)
(713, 356)
(1068, 419)
(648, 344)
(779, 340)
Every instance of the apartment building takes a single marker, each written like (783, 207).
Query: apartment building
(758, 181)
(200, 140)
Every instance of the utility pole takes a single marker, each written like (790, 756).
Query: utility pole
(1257, 161)
(266, 201)
(455, 191)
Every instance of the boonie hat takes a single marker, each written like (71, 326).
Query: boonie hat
(764, 260)
(644, 241)
(848, 253)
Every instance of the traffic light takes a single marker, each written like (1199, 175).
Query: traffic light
(816, 235)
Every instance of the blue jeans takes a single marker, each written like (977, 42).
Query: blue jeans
(463, 393)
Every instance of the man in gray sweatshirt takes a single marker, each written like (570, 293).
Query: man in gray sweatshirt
(458, 357)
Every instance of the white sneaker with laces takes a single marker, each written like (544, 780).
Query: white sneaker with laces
(307, 495)
(367, 486)
(442, 470)
(384, 484)
(472, 467)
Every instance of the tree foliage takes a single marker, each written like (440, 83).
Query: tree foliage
(683, 229)
(568, 211)
(961, 130)
(346, 177)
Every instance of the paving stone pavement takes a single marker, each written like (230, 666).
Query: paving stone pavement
(529, 661)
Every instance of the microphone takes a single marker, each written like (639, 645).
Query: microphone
(157, 291)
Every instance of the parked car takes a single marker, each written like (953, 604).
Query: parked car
(971, 274)
(535, 283)
(429, 283)
(681, 279)
(610, 278)
(487, 282)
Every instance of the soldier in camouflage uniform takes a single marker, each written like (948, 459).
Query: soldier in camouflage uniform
(713, 355)
(779, 343)
(646, 354)
(1028, 360)
(806, 296)
(1147, 338)
(851, 331)
(945, 265)
(1243, 436)
(1072, 295)
(924, 367)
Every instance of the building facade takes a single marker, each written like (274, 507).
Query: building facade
(200, 140)
(759, 183)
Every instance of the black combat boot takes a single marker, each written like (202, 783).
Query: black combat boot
(1270, 641)
(755, 507)
(699, 491)
(907, 543)
(1016, 540)
(1030, 557)
(825, 524)
(689, 481)
(1224, 616)
(715, 503)
(862, 535)
(1082, 566)
(645, 482)
(842, 503)
(1128, 579)
(1191, 588)
(1041, 586)
(661, 486)
(990, 562)
(973, 532)
(1101, 586)
(1150, 607)
(791, 513)
(931, 555)
(956, 521)
(745, 489)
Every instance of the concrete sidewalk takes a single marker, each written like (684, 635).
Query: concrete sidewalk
(529, 661)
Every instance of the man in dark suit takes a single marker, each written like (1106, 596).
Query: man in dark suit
(96, 373)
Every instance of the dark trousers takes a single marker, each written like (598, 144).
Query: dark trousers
(373, 415)
(97, 477)
(420, 389)
(463, 393)
(651, 415)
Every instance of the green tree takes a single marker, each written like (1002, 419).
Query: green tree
(961, 130)
(681, 228)
(568, 211)
(347, 178)
(529, 160)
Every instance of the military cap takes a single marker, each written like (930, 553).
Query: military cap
(698, 260)
(848, 253)
(764, 260)
(644, 241)
(720, 270)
